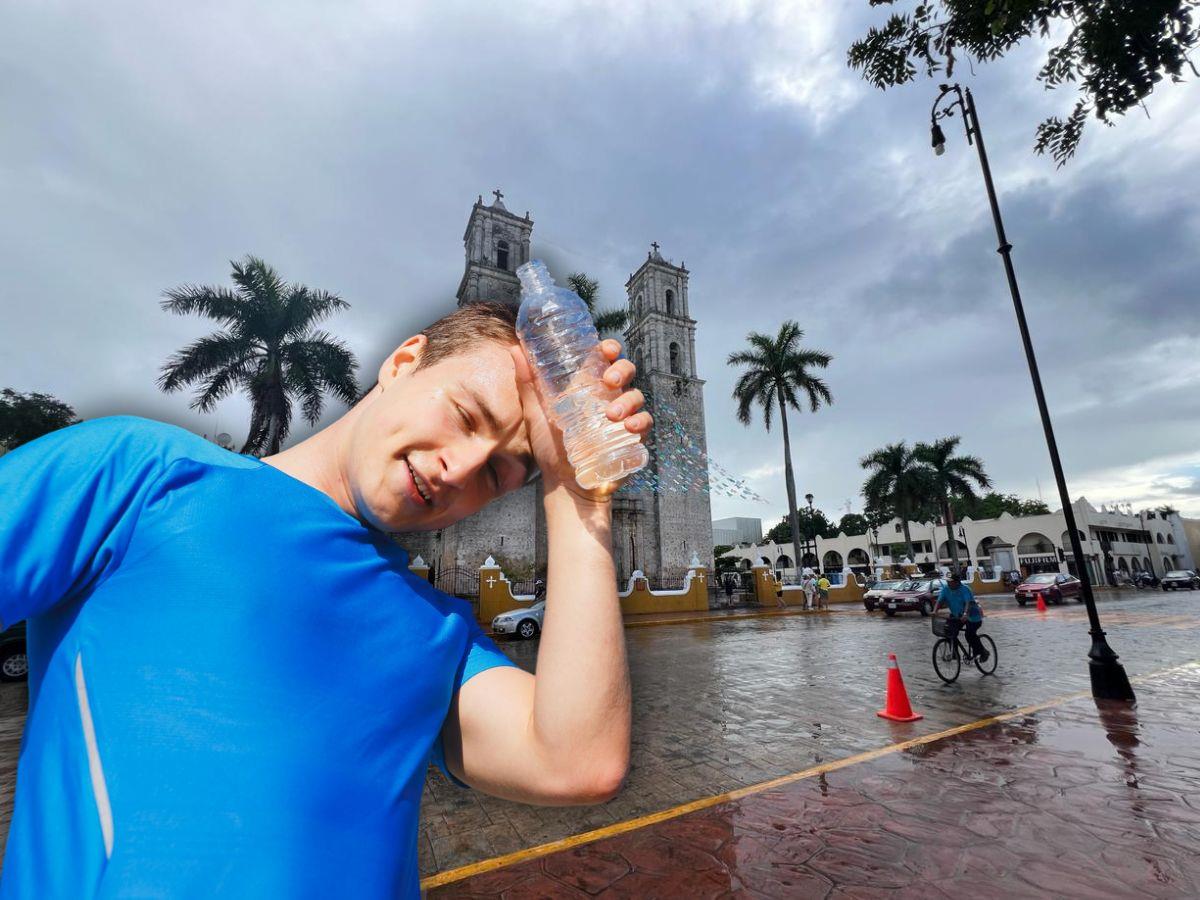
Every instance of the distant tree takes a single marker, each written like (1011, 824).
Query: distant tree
(724, 565)
(780, 533)
(1167, 510)
(853, 523)
(268, 348)
(1113, 54)
(992, 505)
(950, 476)
(779, 373)
(26, 417)
(899, 482)
(607, 320)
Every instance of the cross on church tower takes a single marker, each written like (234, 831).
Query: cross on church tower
(499, 196)
(654, 244)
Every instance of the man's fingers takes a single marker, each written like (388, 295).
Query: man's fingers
(639, 423)
(625, 405)
(620, 373)
(611, 348)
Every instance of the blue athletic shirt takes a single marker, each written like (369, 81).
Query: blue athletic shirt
(960, 600)
(235, 687)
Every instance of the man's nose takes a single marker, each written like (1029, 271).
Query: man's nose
(462, 461)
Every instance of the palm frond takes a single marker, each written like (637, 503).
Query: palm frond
(201, 359)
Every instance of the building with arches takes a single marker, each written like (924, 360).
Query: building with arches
(1112, 540)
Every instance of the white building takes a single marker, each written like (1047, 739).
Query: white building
(737, 530)
(1112, 541)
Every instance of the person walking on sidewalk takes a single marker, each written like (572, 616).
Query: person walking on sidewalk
(809, 586)
(964, 610)
(823, 592)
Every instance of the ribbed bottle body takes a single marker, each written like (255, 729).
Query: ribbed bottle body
(563, 347)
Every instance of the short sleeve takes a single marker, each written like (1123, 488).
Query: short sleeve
(480, 655)
(68, 502)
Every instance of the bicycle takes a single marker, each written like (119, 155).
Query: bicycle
(948, 655)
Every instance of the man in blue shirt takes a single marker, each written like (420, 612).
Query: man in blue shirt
(236, 685)
(964, 610)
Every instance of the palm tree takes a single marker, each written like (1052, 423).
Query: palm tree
(778, 374)
(267, 347)
(588, 289)
(899, 482)
(951, 476)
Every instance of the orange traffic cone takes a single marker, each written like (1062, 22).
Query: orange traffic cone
(898, 709)
(1041, 602)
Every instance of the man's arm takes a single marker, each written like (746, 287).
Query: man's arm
(562, 737)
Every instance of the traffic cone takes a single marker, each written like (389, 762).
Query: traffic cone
(1041, 602)
(898, 709)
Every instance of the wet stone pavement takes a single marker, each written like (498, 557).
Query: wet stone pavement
(1076, 800)
(725, 705)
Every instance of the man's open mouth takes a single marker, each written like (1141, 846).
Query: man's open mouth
(419, 483)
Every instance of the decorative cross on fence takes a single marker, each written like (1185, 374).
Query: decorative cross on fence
(491, 582)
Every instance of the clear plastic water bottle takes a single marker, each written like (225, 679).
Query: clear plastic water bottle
(563, 347)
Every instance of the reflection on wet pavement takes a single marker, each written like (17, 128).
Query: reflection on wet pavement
(722, 706)
(1077, 800)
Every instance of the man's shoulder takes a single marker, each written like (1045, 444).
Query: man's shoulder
(132, 438)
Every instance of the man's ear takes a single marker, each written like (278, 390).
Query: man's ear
(403, 359)
(521, 364)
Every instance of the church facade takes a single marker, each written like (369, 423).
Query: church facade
(654, 531)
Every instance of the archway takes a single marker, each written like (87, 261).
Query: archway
(858, 557)
(810, 561)
(784, 562)
(983, 549)
(1137, 565)
(1122, 565)
(1034, 543)
(944, 551)
(1147, 565)
(832, 561)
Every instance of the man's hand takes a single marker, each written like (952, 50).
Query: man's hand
(546, 439)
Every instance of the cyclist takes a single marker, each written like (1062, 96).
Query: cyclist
(964, 609)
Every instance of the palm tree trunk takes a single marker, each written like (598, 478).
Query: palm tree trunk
(902, 509)
(797, 561)
(948, 515)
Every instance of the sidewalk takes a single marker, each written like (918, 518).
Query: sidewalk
(1072, 798)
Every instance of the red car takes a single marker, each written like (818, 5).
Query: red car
(1054, 587)
(878, 594)
(918, 595)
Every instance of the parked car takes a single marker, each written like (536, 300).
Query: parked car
(1180, 579)
(525, 623)
(879, 591)
(1054, 587)
(918, 595)
(14, 664)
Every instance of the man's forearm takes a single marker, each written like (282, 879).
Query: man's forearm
(581, 712)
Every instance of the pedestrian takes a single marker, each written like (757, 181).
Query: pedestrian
(728, 591)
(809, 586)
(823, 592)
(239, 685)
(779, 592)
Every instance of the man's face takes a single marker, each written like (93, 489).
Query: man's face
(435, 445)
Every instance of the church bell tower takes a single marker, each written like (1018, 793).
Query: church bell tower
(661, 341)
(496, 242)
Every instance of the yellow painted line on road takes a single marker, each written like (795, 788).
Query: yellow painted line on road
(588, 837)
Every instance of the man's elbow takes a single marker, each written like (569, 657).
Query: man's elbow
(594, 784)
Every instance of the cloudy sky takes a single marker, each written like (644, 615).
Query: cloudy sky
(141, 148)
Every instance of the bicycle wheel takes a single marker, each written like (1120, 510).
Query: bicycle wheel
(987, 668)
(945, 662)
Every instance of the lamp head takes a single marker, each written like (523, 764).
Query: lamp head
(938, 139)
(809, 498)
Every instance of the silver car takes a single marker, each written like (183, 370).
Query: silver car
(524, 623)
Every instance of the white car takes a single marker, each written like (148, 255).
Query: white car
(524, 623)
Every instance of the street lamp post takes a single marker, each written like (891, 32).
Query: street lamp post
(962, 533)
(1109, 681)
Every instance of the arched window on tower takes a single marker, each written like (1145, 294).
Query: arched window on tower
(670, 302)
(502, 254)
(637, 307)
(675, 359)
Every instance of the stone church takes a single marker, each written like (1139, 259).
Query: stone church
(654, 531)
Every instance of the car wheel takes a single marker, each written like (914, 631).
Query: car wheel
(1164, 587)
(1021, 602)
(1057, 599)
(926, 609)
(889, 613)
(14, 664)
(527, 629)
